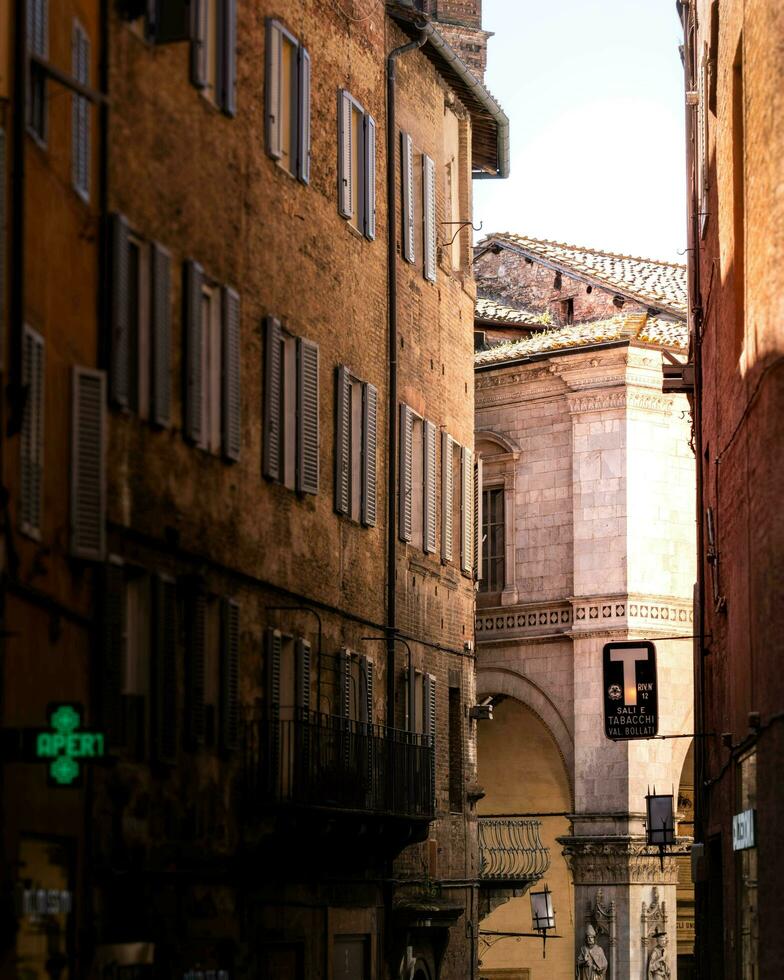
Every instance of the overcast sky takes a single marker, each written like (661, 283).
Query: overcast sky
(594, 94)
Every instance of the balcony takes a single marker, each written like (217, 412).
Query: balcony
(511, 859)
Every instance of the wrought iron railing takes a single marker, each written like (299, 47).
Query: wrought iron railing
(511, 851)
(324, 761)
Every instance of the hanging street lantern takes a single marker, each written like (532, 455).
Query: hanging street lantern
(542, 915)
(661, 821)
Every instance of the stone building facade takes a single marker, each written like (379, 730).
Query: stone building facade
(588, 478)
(733, 85)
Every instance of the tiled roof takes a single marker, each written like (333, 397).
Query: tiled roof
(630, 326)
(488, 309)
(659, 284)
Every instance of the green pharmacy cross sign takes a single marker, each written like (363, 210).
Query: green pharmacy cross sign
(64, 746)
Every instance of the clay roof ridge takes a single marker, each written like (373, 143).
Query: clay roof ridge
(578, 248)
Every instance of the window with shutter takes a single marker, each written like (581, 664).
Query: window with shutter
(476, 544)
(355, 447)
(165, 669)
(88, 451)
(272, 463)
(367, 671)
(213, 52)
(160, 336)
(405, 486)
(112, 651)
(303, 118)
(37, 43)
(196, 642)
(227, 56)
(80, 113)
(347, 699)
(369, 176)
(429, 217)
(230, 675)
(429, 504)
(231, 407)
(119, 381)
(447, 497)
(307, 416)
(273, 646)
(302, 672)
(407, 187)
(429, 726)
(466, 511)
(343, 445)
(199, 43)
(193, 331)
(287, 101)
(356, 165)
(32, 435)
(345, 155)
(369, 443)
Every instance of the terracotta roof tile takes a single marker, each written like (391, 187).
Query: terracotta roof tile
(488, 309)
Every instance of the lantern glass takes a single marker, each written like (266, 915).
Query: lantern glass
(542, 912)
(661, 821)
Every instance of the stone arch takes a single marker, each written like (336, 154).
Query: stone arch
(504, 443)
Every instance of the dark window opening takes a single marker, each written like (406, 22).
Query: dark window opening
(567, 311)
(557, 281)
(492, 541)
(618, 301)
(480, 339)
(455, 751)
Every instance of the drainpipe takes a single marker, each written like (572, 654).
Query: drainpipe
(392, 403)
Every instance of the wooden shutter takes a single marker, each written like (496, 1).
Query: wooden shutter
(196, 625)
(32, 436)
(230, 675)
(302, 653)
(80, 113)
(344, 683)
(429, 504)
(231, 393)
(161, 339)
(429, 216)
(447, 498)
(477, 542)
(303, 116)
(369, 450)
(307, 416)
(112, 652)
(406, 465)
(119, 373)
(466, 510)
(272, 456)
(430, 724)
(407, 185)
(369, 176)
(343, 466)
(88, 452)
(274, 645)
(368, 671)
(165, 669)
(193, 279)
(227, 75)
(345, 175)
(200, 12)
(411, 686)
(3, 237)
(272, 107)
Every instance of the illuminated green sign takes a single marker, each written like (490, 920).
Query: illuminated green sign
(65, 745)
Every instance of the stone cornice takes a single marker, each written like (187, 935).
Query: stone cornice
(617, 861)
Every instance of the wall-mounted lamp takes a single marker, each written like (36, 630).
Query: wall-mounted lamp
(661, 821)
(542, 915)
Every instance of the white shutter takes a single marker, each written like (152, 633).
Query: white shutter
(272, 461)
(429, 508)
(369, 176)
(369, 449)
(272, 108)
(345, 175)
(466, 510)
(88, 451)
(429, 216)
(32, 435)
(447, 497)
(303, 118)
(307, 416)
(231, 393)
(407, 186)
(405, 475)
(477, 542)
(161, 340)
(343, 460)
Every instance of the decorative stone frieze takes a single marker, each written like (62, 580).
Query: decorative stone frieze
(617, 861)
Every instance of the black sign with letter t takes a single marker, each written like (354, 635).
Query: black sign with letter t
(631, 697)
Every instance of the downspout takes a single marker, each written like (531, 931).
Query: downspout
(391, 626)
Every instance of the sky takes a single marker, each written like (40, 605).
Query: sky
(594, 94)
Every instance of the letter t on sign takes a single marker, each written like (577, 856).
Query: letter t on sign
(629, 658)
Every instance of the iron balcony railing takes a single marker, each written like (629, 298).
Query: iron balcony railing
(324, 761)
(511, 851)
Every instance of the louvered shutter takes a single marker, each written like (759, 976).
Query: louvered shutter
(193, 279)
(302, 698)
(429, 216)
(196, 624)
(303, 650)
(307, 416)
(161, 340)
(227, 76)
(165, 669)
(405, 477)
(120, 345)
(272, 107)
(80, 113)
(345, 175)
(88, 451)
(274, 644)
(112, 654)
(32, 435)
(369, 450)
(344, 683)
(231, 393)
(3, 227)
(447, 498)
(303, 117)
(368, 672)
(230, 675)
(411, 686)
(370, 177)
(429, 508)
(200, 13)
(407, 184)
(430, 725)
(466, 510)
(343, 442)
(272, 458)
(477, 543)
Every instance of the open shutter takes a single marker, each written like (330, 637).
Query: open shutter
(32, 436)
(344, 683)
(227, 77)
(466, 510)
(429, 509)
(343, 442)
(88, 452)
(3, 237)
(200, 12)
(406, 464)
(230, 675)
(231, 395)
(447, 497)
(119, 341)
(370, 177)
(80, 113)
(429, 216)
(274, 644)
(196, 624)
(368, 672)
(302, 697)
(303, 117)
(407, 184)
(303, 650)
(430, 725)
(165, 669)
(369, 450)
(307, 416)
(272, 89)
(112, 652)
(345, 175)
(411, 692)
(161, 340)
(477, 543)
(193, 279)
(272, 461)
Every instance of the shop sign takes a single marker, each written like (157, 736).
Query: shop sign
(46, 901)
(65, 746)
(744, 831)
(631, 699)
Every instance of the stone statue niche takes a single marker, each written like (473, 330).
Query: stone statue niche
(596, 956)
(655, 956)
